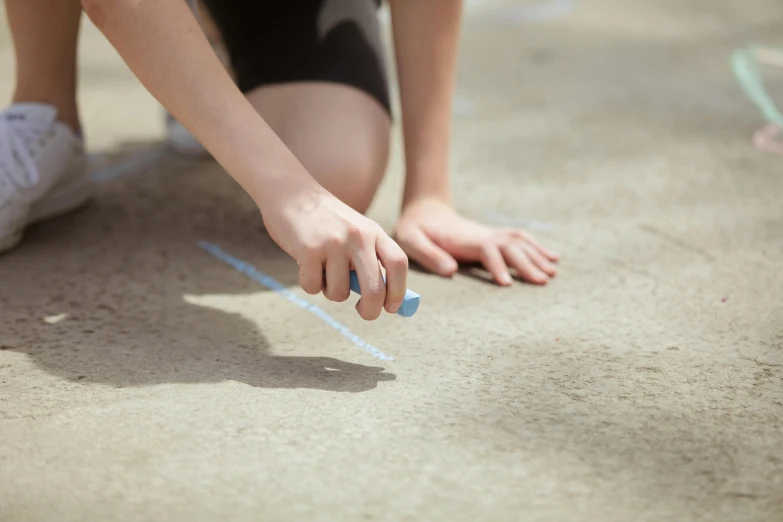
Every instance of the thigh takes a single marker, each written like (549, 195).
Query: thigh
(339, 133)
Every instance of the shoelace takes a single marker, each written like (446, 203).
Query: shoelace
(17, 139)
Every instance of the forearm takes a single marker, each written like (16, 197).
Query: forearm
(426, 34)
(162, 43)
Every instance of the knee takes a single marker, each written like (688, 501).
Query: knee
(354, 180)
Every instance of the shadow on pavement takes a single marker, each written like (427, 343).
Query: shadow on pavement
(97, 296)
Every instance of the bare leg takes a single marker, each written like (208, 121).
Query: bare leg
(45, 34)
(340, 134)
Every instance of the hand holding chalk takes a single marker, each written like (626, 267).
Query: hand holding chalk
(410, 302)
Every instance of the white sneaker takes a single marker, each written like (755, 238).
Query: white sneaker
(42, 169)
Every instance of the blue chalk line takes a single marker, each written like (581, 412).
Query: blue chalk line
(276, 286)
(746, 70)
(129, 166)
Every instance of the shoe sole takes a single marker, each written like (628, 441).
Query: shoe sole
(66, 198)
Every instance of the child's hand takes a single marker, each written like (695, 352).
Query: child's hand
(436, 237)
(328, 239)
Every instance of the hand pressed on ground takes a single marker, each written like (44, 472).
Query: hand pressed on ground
(434, 235)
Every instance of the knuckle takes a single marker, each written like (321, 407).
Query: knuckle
(399, 260)
(354, 233)
(376, 289)
(310, 250)
(501, 238)
(334, 240)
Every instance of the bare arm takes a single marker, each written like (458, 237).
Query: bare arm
(426, 34)
(164, 46)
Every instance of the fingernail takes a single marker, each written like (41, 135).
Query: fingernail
(447, 267)
(505, 279)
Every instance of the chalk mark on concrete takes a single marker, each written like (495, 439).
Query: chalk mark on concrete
(676, 242)
(135, 164)
(273, 284)
(631, 268)
(760, 364)
(745, 65)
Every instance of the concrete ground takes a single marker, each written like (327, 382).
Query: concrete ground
(141, 378)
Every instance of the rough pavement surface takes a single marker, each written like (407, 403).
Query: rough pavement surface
(143, 379)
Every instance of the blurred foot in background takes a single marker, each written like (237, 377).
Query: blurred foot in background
(42, 159)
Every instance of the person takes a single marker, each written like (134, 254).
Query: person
(303, 127)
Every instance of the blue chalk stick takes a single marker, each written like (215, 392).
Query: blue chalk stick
(410, 302)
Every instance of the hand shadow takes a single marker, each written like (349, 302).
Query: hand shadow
(470, 270)
(475, 271)
(97, 296)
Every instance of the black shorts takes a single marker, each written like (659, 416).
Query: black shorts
(283, 41)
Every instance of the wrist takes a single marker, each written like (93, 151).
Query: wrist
(426, 188)
(442, 197)
(283, 183)
(290, 197)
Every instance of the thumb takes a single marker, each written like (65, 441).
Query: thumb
(422, 250)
